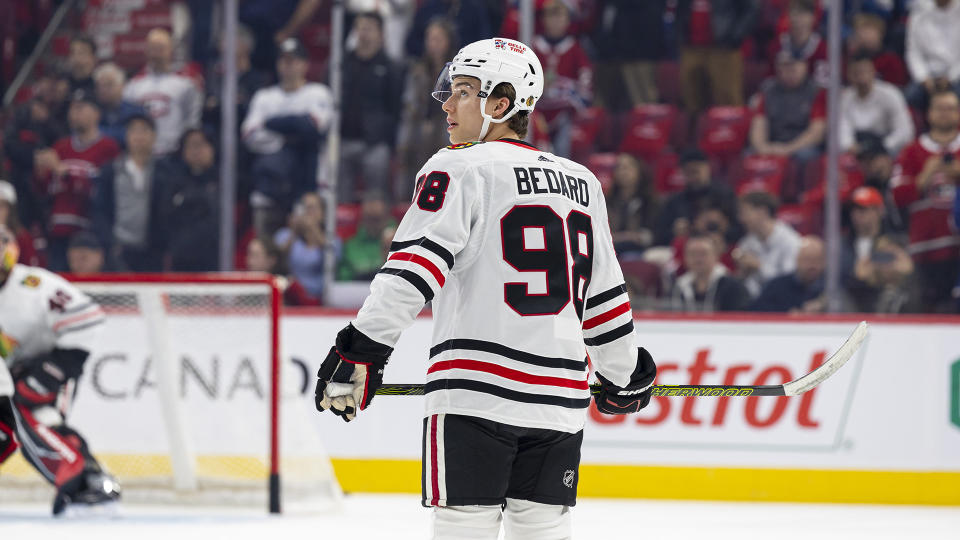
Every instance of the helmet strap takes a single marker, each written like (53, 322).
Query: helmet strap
(487, 119)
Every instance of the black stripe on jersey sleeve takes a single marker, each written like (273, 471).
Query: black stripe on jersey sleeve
(512, 395)
(612, 335)
(507, 352)
(427, 244)
(413, 279)
(605, 296)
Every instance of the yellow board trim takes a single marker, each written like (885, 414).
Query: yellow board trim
(614, 481)
(138, 466)
(700, 483)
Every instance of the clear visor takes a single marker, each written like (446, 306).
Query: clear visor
(441, 89)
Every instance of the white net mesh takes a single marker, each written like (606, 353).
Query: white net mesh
(175, 400)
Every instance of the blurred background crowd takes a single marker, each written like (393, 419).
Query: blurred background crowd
(705, 121)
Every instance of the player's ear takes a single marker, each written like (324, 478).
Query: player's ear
(501, 106)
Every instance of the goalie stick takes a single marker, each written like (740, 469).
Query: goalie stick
(792, 388)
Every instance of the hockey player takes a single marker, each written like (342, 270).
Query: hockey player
(47, 327)
(513, 247)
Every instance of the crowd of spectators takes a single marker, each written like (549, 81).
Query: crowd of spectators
(705, 120)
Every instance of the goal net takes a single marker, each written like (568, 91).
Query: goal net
(187, 398)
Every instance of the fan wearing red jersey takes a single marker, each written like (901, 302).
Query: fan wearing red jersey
(48, 328)
(513, 248)
(66, 176)
(925, 189)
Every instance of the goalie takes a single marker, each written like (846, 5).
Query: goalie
(47, 327)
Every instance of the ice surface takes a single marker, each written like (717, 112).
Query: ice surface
(400, 517)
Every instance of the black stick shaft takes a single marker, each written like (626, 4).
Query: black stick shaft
(669, 390)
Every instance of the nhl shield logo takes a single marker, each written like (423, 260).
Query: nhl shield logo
(568, 477)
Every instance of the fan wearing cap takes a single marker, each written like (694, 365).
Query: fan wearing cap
(67, 176)
(513, 247)
(877, 165)
(873, 263)
(284, 127)
(700, 191)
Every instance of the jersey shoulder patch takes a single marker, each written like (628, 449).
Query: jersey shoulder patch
(463, 145)
(32, 281)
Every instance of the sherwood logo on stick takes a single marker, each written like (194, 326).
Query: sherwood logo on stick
(717, 412)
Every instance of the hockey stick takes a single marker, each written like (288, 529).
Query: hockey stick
(792, 388)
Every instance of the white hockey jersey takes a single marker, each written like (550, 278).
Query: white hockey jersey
(312, 99)
(173, 101)
(41, 311)
(513, 247)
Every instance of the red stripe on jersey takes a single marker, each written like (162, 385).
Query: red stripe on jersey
(604, 317)
(422, 261)
(434, 480)
(97, 312)
(507, 373)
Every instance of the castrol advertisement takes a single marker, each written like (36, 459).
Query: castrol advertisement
(736, 355)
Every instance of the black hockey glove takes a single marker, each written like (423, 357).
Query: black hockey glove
(351, 373)
(613, 399)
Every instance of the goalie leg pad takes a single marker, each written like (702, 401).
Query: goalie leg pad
(528, 520)
(466, 522)
(57, 452)
(8, 426)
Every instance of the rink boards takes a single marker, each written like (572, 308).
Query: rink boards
(884, 429)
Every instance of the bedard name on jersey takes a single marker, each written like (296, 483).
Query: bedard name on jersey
(499, 244)
(541, 180)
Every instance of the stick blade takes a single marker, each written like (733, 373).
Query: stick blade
(828, 368)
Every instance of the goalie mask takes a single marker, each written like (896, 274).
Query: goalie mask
(495, 61)
(9, 251)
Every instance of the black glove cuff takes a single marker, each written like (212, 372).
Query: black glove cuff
(355, 346)
(643, 374)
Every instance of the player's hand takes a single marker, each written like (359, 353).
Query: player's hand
(613, 399)
(351, 373)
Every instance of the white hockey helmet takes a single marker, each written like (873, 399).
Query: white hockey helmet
(495, 61)
(9, 250)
